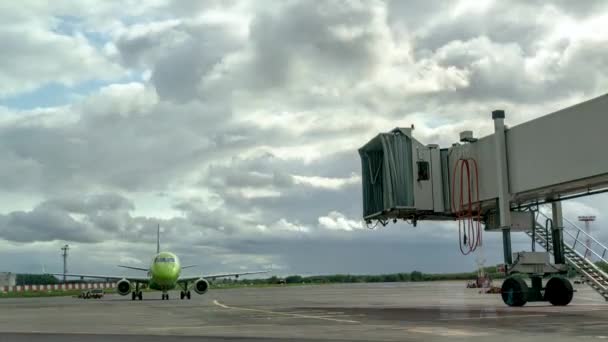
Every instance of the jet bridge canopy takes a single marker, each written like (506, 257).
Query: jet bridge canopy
(386, 164)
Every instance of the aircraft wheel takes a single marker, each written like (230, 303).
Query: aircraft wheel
(182, 294)
(188, 294)
(559, 291)
(133, 295)
(140, 295)
(514, 291)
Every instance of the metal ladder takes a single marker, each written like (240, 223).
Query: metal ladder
(574, 243)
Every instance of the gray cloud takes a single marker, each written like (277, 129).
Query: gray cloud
(42, 224)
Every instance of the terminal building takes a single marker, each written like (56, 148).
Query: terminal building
(7, 279)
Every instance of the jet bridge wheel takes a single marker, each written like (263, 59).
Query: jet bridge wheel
(559, 291)
(514, 291)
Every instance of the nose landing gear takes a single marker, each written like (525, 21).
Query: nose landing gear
(136, 295)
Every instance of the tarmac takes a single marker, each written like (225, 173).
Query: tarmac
(435, 311)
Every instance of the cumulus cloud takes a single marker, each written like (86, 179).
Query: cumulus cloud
(328, 183)
(337, 221)
(36, 52)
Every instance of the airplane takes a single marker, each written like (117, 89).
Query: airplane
(164, 274)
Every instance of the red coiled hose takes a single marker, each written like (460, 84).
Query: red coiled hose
(469, 220)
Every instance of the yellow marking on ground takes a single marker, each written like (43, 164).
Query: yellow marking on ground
(292, 315)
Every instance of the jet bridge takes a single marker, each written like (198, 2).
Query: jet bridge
(499, 180)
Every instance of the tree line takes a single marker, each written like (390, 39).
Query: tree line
(375, 278)
(43, 279)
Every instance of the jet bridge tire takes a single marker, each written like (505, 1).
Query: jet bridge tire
(559, 291)
(514, 291)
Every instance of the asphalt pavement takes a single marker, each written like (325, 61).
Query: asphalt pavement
(435, 311)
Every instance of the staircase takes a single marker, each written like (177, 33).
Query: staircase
(574, 251)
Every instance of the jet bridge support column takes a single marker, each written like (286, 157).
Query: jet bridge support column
(557, 234)
(504, 208)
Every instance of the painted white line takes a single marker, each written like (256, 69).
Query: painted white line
(293, 315)
(488, 317)
(220, 304)
(447, 332)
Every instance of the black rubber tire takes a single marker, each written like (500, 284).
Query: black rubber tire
(181, 295)
(559, 291)
(140, 295)
(514, 291)
(133, 295)
(188, 294)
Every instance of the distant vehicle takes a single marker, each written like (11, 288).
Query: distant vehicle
(95, 293)
(163, 275)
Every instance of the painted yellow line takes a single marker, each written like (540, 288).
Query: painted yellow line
(293, 315)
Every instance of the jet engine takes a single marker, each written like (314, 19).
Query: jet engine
(123, 287)
(201, 286)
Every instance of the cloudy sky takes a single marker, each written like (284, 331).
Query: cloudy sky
(235, 124)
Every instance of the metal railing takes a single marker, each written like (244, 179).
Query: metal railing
(579, 238)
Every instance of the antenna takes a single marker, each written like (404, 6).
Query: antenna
(64, 253)
(158, 239)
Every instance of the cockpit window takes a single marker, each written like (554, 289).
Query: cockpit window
(164, 259)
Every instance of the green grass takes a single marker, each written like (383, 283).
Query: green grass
(240, 285)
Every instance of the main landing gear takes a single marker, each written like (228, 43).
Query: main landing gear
(165, 296)
(184, 294)
(515, 292)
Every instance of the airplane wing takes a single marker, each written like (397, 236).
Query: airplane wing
(223, 275)
(135, 268)
(142, 280)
